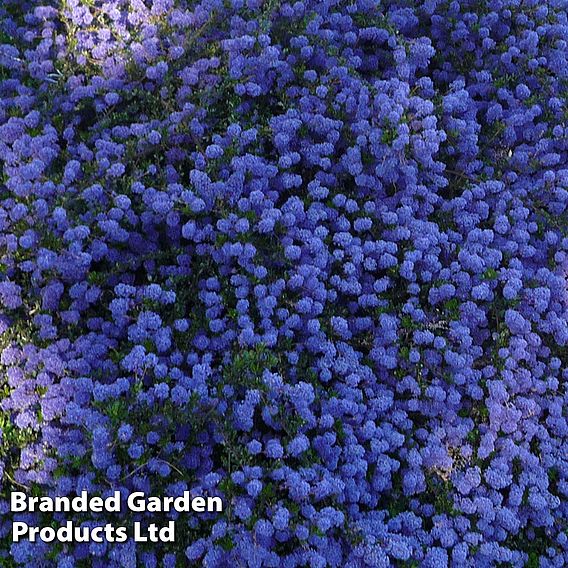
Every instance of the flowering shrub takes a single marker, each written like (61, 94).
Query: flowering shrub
(310, 257)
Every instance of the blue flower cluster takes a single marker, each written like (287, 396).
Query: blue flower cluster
(309, 256)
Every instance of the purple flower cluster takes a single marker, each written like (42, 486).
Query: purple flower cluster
(311, 257)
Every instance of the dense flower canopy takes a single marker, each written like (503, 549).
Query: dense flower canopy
(308, 256)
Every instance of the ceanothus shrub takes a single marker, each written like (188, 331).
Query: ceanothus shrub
(309, 256)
